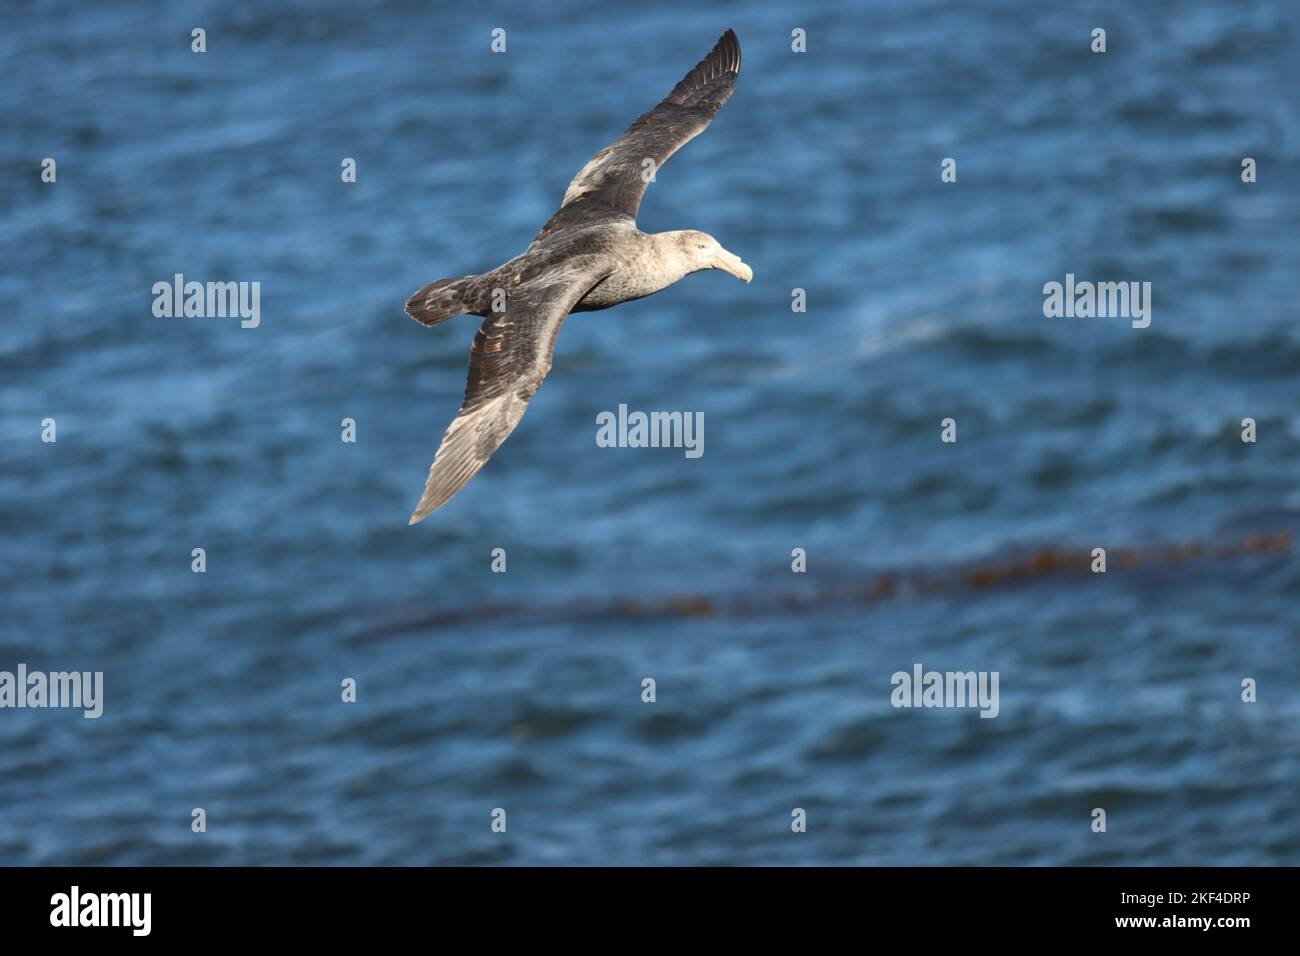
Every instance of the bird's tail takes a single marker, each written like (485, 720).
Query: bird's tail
(440, 301)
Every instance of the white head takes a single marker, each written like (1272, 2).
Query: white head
(701, 251)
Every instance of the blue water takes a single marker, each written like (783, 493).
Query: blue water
(522, 690)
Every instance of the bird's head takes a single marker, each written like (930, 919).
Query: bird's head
(702, 251)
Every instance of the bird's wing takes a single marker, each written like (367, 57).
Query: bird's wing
(511, 355)
(616, 176)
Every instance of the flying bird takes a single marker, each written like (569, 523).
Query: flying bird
(589, 255)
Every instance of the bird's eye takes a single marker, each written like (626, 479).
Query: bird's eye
(700, 246)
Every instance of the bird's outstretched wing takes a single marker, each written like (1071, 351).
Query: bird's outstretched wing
(511, 355)
(616, 177)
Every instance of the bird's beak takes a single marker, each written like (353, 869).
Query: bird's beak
(727, 262)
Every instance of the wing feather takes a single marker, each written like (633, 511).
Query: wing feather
(616, 176)
(509, 359)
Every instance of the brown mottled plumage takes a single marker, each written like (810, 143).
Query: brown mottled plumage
(589, 255)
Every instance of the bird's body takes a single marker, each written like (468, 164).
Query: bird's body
(638, 267)
(641, 269)
(590, 255)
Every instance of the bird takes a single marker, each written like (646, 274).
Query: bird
(589, 255)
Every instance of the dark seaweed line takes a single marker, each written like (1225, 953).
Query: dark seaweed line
(910, 584)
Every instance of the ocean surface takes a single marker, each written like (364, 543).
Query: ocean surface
(522, 691)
